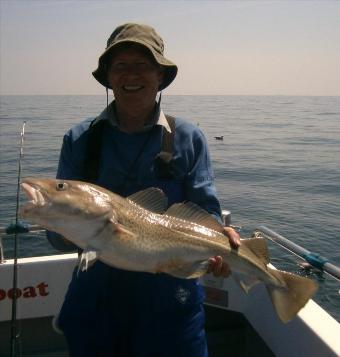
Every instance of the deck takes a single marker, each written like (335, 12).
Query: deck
(228, 334)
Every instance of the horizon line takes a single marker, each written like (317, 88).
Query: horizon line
(196, 95)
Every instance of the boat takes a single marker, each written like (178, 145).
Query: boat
(237, 324)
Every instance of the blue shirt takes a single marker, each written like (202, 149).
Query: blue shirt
(127, 161)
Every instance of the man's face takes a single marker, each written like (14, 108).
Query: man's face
(134, 77)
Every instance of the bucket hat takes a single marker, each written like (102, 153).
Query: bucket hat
(143, 35)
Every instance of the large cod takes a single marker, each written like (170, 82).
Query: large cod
(139, 233)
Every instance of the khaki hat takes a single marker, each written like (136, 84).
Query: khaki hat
(143, 35)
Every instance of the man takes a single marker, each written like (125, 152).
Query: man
(132, 145)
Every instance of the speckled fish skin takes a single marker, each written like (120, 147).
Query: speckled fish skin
(138, 233)
(125, 234)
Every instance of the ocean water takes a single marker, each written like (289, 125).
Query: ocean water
(278, 165)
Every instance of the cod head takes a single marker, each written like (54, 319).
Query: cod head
(66, 207)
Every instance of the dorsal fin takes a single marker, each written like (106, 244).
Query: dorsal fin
(152, 199)
(258, 246)
(191, 212)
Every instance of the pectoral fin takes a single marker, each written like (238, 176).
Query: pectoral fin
(119, 231)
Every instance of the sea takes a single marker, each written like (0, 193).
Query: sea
(278, 165)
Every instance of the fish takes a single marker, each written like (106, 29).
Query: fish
(140, 233)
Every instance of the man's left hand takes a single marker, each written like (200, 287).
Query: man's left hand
(217, 266)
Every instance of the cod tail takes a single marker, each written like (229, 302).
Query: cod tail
(289, 299)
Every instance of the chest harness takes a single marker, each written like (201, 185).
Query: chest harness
(162, 160)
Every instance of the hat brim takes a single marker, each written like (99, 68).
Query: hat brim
(170, 69)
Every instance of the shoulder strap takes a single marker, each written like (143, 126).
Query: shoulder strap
(168, 138)
(93, 149)
(164, 158)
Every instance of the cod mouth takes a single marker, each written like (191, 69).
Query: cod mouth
(35, 197)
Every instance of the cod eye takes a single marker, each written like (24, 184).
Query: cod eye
(61, 186)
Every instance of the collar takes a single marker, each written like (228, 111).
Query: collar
(109, 114)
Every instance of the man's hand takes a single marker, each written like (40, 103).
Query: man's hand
(217, 266)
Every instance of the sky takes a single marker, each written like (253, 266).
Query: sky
(221, 47)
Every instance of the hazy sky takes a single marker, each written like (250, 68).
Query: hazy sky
(221, 47)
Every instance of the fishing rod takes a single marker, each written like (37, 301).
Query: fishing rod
(312, 258)
(14, 328)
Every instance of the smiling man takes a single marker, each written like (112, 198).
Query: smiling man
(130, 146)
(134, 77)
